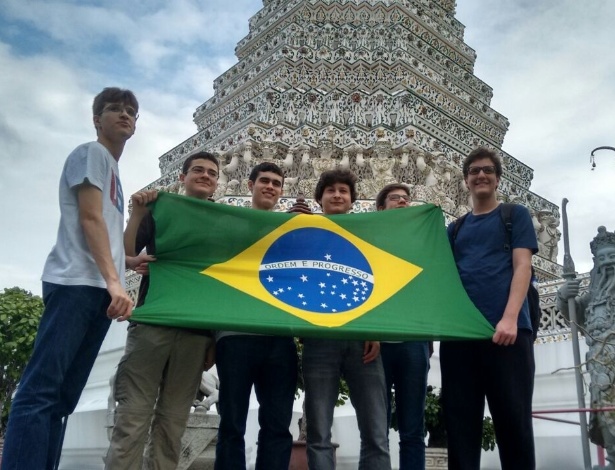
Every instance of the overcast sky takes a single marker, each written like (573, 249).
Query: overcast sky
(550, 64)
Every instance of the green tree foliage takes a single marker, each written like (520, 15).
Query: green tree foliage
(20, 312)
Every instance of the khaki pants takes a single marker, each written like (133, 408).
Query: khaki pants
(155, 385)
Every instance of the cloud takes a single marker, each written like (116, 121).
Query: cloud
(69, 23)
(155, 37)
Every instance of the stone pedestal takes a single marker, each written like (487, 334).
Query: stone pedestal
(436, 458)
(199, 442)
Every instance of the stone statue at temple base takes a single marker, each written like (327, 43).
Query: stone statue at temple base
(548, 235)
(381, 163)
(596, 316)
(208, 392)
(325, 161)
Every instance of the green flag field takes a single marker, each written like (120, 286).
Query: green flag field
(386, 275)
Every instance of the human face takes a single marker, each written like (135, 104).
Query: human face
(266, 190)
(396, 199)
(606, 258)
(201, 180)
(336, 199)
(482, 186)
(117, 122)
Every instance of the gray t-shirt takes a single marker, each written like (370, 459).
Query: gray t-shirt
(70, 261)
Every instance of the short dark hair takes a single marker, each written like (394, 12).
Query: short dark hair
(264, 167)
(113, 95)
(329, 178)
(384, 192)
(199, 156)
(480, 153)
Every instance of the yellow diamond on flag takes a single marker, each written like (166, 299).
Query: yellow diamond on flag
(314, 269)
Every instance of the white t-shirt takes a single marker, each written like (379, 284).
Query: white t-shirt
(70, 261)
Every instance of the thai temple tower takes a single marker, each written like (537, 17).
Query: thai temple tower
(383, 87)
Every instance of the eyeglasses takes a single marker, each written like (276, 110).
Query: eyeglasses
(475, 170)
(397, 197)
(119, 108)
(199, 170)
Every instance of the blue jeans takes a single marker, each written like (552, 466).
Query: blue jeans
(270, 364)
(69, 336)
(473, 370)
(405, 367)
(324, 362)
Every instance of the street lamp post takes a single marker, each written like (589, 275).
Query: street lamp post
(593, 159)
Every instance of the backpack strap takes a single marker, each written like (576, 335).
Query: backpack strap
(506, 214)
(457, 225)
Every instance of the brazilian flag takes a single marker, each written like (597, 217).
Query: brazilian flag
(386, 275)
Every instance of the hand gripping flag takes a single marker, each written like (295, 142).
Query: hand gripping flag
(386, 275)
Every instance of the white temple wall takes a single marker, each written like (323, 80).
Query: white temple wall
(558, 445)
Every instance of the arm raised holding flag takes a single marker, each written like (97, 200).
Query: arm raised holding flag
(160, 371)
(140, 201)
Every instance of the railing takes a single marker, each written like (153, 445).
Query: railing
(536, 414)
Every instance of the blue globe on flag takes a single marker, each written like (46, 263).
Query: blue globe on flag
(316, 270)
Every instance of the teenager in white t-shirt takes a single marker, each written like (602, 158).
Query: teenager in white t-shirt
(83, 288)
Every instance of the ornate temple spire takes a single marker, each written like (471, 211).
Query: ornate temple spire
(384, 87)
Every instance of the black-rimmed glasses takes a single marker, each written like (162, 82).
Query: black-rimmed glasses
(475, 170)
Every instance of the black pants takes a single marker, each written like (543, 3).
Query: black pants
(473, 370)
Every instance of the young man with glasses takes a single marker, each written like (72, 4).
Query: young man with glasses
(359, 362)
(496, 277)
(406, 364)
(158, 376)
(267, 363)
(83, 288)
